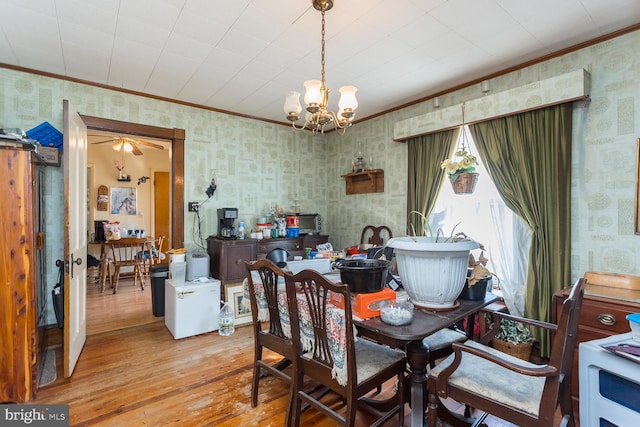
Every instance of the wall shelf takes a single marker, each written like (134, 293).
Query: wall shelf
(370, 181)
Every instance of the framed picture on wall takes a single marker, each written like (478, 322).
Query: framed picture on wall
(241, 306)
(636, 221)
(123, 200)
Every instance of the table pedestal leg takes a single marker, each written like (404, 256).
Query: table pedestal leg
(418, 358)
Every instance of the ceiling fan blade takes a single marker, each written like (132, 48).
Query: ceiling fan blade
(148, 144)
(135, 150)
(107, 140)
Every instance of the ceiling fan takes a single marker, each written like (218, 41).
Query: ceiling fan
(129, 145)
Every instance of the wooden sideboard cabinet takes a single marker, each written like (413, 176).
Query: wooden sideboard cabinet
(227, 258)
(600, 318)
(22, 272)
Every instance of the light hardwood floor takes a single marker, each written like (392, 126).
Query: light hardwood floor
(133, 373)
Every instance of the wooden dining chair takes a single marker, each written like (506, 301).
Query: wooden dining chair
(268, 301)
(375, 235)
(124, 253)
(156, 256)
(319, 357)
(509, 388)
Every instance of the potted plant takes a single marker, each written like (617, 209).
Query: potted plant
(513, 338)
(433, 270)
(461, 170)
(478, 277)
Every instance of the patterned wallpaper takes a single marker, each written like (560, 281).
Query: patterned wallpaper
(258, 164)
(605, 134)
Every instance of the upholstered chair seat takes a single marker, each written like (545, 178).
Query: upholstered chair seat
(503, 385)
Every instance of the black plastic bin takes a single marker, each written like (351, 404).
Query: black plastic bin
(158, 272)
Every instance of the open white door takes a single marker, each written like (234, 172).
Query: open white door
(75, 236)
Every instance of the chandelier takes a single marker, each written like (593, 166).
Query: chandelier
(317, 96)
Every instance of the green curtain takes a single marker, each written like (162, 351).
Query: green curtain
(528, 157)
(425, 154)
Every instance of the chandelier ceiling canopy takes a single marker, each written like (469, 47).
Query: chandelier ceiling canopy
(316, 95)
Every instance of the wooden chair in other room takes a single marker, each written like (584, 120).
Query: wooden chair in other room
(105, 272)
(264, 299)
(155, 257)
(368, 364)
(377, 235)
(509, 388)
(124, 253)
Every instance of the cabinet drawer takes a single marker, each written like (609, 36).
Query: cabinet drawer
(290, 245)
(604, 316)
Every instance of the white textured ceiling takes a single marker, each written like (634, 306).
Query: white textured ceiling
(242, 56)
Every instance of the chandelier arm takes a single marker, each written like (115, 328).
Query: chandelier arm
(293, 124)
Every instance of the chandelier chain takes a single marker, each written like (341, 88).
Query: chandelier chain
(322, 50)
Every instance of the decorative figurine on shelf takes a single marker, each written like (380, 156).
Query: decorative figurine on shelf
(359, 164)
(120, 166)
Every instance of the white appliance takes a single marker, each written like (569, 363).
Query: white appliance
(609, 385)
(321, 265)
(191, 308)
(197, 265)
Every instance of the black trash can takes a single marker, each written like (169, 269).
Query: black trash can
(158, 272)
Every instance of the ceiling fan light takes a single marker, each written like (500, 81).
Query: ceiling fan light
(348, 101)
(128, 148)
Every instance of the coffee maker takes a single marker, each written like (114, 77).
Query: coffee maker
(226, 218)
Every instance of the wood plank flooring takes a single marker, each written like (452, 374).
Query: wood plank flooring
(133, 373)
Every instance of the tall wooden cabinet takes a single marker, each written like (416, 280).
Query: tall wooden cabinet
(23, 311)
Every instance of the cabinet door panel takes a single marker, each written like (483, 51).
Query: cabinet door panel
(312, 241)
(235, 259)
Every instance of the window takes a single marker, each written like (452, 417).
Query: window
(484, 217)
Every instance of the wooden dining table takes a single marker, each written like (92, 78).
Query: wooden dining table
(410, 338)
(144, 244)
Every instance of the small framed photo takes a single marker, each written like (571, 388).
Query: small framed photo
(240, 304)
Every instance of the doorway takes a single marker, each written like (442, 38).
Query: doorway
(176, 137)
(134, 305)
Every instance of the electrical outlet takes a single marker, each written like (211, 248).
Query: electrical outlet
(194, 207)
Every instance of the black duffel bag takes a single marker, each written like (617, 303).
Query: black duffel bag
(57, 295)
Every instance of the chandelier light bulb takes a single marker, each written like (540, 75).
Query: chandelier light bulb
(292, 107)
(313, 93)
(348, 101)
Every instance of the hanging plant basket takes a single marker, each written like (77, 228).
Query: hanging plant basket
(465, 183)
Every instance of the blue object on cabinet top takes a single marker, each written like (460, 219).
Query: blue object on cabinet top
(46, 135)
